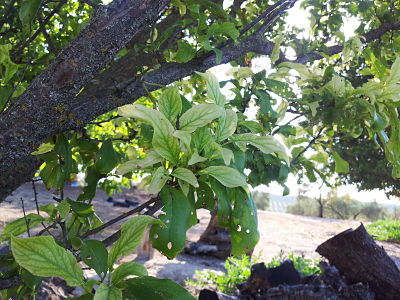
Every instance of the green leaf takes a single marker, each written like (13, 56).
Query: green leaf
(185, 175)
(126, 269)
(213, 90)
(394, 76)
(18, 226)
(244, 232)
(224, 208)
(63, 208)
(341, 166)
(276, 51)
(229, 177)
(226, 28)
(227, 125)
(158, 180)
(80, 208)
(151, 159)
(201, 137)
(105, 292)
(184, 186)
(185, 52)
(170, 103)
(184, 136)
(146, 288)
(196, 158)
(44, 148)
(227, 155)
(199, 116)
(266, 144)
(171, 240)
(253, 126)
(132, 232)
(163, 141)
(205, 196)
(43, 257)
(106, 157)
(28, 11)
(95, 255)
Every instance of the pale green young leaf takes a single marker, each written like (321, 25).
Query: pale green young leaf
(18, 226)
(196, 158)
(43, 257)
(186, 175)
(158, 180)
(44, 148)
(253, 126)
(213, 90)
(303, 71)
(199, 116)
(132, 232)
(394, 76)
(201, 137)
(185, 187)
(127, 269)
(151, 159)
(170, 103)
(276, 51)
(185, 52)
(227, 155)
(226, 125)
(266, 144)
(163, 141)
(229, 177)
(105, 292)
(184, 136)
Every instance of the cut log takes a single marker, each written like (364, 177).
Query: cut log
(360, 259)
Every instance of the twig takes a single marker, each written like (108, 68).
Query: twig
(112, 238)
(312, 142)
(105, 121)
(120, 217)
(287, 123)
(37, 205)
(26, 220)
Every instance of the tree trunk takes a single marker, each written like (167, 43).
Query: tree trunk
(360, 259)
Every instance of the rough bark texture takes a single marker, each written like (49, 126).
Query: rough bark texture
(360, 259)
(46, 105)
(54, 102)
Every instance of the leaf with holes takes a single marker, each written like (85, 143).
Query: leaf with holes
(170, 103)
(132, 232)
(199, 116)
(244, 232)
(171, 239)
(43, 257)
(145, 288)
(224, 208)
(126, 269)
(185, 175)
(205, 196)
(95, 255)
(227, 125)
(229, 177)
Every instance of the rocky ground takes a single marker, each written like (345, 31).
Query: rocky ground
(279, 232)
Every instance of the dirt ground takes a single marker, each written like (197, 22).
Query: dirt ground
(279, 231)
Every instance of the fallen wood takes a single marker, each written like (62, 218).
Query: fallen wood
(360, 259)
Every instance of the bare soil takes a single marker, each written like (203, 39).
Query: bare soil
(279, 231)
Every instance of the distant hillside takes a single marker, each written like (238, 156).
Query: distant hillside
(279, 203)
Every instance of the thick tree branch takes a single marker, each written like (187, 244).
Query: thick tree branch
(39, 112)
